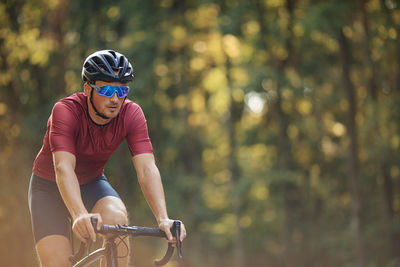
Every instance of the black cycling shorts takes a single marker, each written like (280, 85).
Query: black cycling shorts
(49, 215)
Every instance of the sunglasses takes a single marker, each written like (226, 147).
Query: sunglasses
(110, 90)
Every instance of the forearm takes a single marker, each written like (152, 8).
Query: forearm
(150, 182)
(68, 185)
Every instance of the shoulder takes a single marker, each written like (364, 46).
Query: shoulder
(74, 103)
(72, 107)
(131, 110)
(75, 100)
(130, 105)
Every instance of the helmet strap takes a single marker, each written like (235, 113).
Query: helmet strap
(95, 109)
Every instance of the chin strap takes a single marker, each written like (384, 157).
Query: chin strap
(95, 109)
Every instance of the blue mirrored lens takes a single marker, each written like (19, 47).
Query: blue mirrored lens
(110, 90)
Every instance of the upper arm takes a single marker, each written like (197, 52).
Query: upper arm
(137, 135)
(63, 128)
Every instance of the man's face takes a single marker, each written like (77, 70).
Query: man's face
(108, 106)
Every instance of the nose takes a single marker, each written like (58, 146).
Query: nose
(114, 98)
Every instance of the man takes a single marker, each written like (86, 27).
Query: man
(68, 178)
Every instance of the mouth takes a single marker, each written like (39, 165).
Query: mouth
(113, 108)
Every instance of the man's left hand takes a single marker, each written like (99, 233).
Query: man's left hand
(166, 225)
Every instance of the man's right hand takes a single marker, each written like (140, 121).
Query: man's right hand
(83, 229)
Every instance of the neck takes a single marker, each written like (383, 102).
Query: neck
(93, 115)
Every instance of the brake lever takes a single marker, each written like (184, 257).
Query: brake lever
(94, 221)
(176, 231)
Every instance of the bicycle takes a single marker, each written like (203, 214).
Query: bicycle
(84, 257)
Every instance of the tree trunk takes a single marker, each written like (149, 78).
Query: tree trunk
(389, 187)
(371, 76)
(58, 18)
(285, 159)
(388, 13)
(235, 111)
(394, 234)
(355, 221)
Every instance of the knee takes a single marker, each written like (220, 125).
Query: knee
(114, 215)
(112, 210)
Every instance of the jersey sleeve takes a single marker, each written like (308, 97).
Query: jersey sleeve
(63, 128)
(137, 133)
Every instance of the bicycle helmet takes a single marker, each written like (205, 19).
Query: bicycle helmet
(107, 66)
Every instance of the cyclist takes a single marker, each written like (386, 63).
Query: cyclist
(68, 181)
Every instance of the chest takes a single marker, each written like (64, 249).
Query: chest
(96, 140)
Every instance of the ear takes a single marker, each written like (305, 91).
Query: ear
(87, 89)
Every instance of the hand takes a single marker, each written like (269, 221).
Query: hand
(166, 225)
(83, 229)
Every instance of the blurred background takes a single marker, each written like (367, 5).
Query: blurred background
(274, 122)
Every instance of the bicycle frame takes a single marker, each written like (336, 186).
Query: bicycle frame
(108, 252)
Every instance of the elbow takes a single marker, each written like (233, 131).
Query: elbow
(64, 165)
(62, 170)
(148, 171)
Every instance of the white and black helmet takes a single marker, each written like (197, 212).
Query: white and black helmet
(107, 66)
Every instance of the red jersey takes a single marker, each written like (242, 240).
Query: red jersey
(70, 129)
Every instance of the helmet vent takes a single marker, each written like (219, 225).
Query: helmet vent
(121, 62)
(89, 68)
(98, 62)
(110, 61)
(112, 53)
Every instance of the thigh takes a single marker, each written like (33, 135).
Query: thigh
(49, 216)
(96, 190)
(54, 251)
(100, 197)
